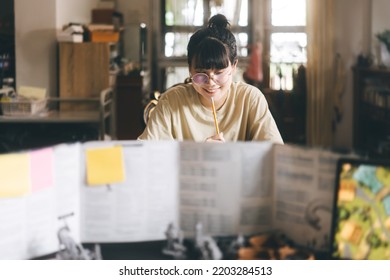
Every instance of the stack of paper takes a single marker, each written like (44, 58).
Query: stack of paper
(72, 33)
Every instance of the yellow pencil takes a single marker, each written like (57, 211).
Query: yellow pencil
(215, 116)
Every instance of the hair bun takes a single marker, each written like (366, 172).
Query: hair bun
(218, 21)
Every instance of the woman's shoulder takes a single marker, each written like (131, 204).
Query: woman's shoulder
(242, 89)
(177, 96)
(177, 91)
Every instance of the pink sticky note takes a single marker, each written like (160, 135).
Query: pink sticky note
(41, 169)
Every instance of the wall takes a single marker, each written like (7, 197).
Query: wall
(380, 22)
(74, 11)
(353, 21)
(36, 23)
(134, 13)
(35, 43)
(380, 15)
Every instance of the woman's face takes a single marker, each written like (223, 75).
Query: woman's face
(212, 83)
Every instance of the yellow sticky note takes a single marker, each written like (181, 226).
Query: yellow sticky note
(105, 166)
(14, 175)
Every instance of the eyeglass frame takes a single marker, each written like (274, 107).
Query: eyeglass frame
(214, 78)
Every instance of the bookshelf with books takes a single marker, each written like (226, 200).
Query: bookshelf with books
(372, 111)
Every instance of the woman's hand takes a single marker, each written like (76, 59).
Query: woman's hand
(218, 138)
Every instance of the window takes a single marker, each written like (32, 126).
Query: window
(280, 23)
(285, 41)
(181, 18)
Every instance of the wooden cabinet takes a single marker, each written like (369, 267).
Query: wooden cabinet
(129, 107)
(83, 71)
(372, 112)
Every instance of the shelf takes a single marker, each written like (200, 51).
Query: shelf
(372, 71)
(98, 117)
(371, 119)
(53, 117)
(376, 113)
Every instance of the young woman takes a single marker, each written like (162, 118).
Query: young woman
(185, 111)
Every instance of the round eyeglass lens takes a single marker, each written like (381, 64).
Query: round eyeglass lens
(200, 78)
(221, 78)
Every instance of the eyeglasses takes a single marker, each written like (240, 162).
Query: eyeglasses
(203, 78)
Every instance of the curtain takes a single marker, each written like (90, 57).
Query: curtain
(320, 72)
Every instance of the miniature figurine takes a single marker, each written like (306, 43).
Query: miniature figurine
(206, 245)
(174, 246)
(235, 246)
(70, 249)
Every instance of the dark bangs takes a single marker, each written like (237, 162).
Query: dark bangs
(211, 54)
